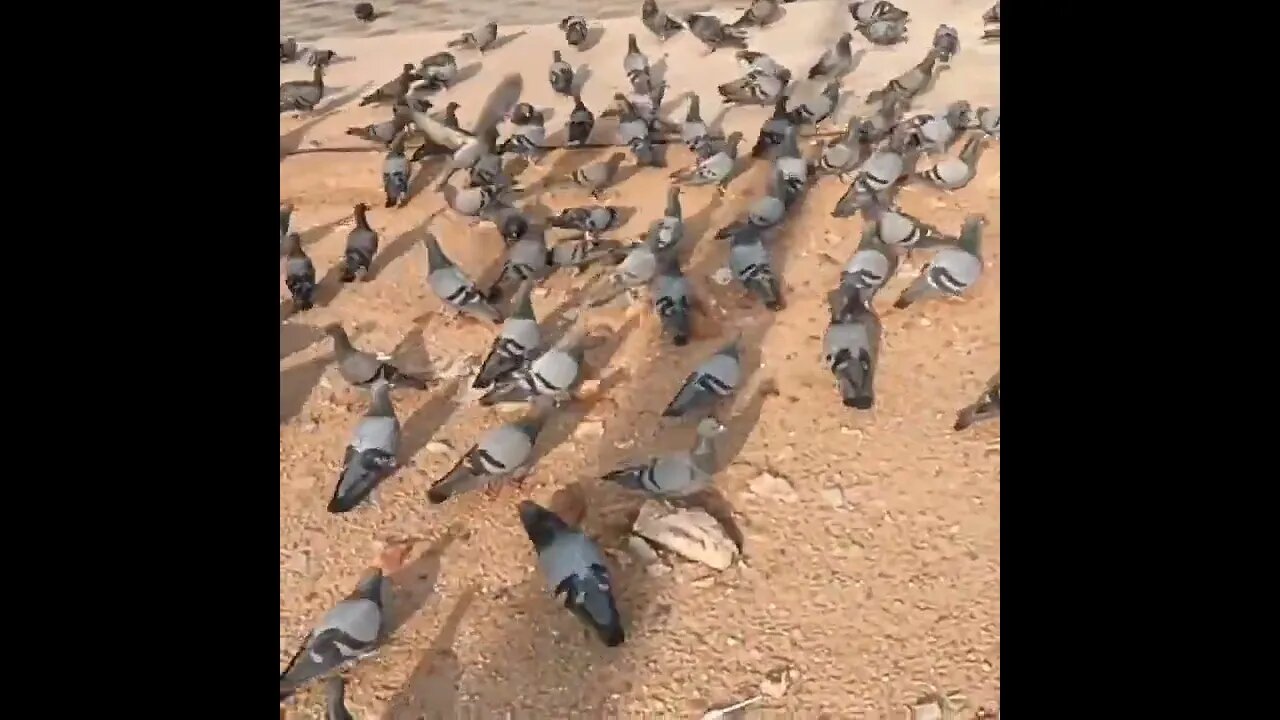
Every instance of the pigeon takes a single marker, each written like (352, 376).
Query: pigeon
(716, 169)
(591, 219)
(370, 457)
(561, 75)
(910, 83)
(709, 384)
(634, 132)
(395, 174)
(954, 173)
(812, 103)
(900, 231)
(335, 694)
(749, 261)
(992, 15)
(519, 338)
(512, 225)
(671, 299)
(299, 273)
(879, 124)
(553, 374)
(479, 40)
(362, 369)
(384, 132)
(637, 269)
(870, 266)
(395, 90)
(788, 162)
(574, 566)
(581, 121)
(774, 129)
(753, 61)
(759, 14)
(713, 33)
(754, 88)
(596, 176)
(694, 131)
(528, 135)
(946, 41)
(501, 453)
(952, 271)
(302, 94)
(936, 133)
(676, 475)
(667, 231)
(467, 148)
(288, 50)
(987, 120)
(575, 30)
(364, 12)
(487, 172)
(526, 260)
(362, 244)
(836, 62)
(767, 211)
(353, 629)
(636, 65)
(658, 22)
(286, 223)
(865, 11)
(321, 58)
(471, 202)
(583, 251)
(438, 71)
(883, 32)
(851, 348)
(452, 286)
(874, 180)
(986, 407)
(842, 155)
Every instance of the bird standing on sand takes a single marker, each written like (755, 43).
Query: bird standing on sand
(438, 71)
(591, 219)
(353, 629)
(575, 30)
(362, 369)
(299, 273)
(449, 284)
(901, 231)
(709, 385)
(750, 263)
(811, 103)
(395, 173)
(518, 340)
(658, 22)
(759, 14)
(694, 131)
(936, 133)
(675, 475)
(865, 11)
(526, 260)
(774, 129)
(836, 62)
(842, 154)
(636, 65)
(503, 453)
(394, 90)
(302, 94)
(288, 50)
(851, 348)
(952, 271)
(667, 231)
(573, 565)
(286, 223)
(986, 407)
(714, 170)
(364, 12)
(581, 121)
(671, 292)
(528, 134)
(597, 176)
(635, 133)
(883, 32)
(561, 75)
(713, 33)
(910, 83)
(554, 374)
(955, 173)
(384, 132)
(362, 245)
(478, 40)
(870, 266)
(988, 121)
(757, 87)
(370, 456)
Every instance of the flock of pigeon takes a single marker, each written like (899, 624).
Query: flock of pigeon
(876, 155)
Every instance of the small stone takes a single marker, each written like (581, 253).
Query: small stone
(834, 497)
(723, 276)
(589, 430)
(774, 488)
(435, 447)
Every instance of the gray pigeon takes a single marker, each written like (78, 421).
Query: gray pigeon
(452, 286)
(755, 88)
(694, 131)
(709, 384)
(716, 169)
(986, 407)
(438, 71)
(573, 565)
(658, 22)
(370, 457)
(636, 65)
(760, 14)
(946, 40)
(472, 201)
(553, 374)
(335, 699)
(874, 181)
(880, 123)
(988, 121)
(634, 132)
(869, 10)
(713, 33)
(362, 369)
(836, 62)
(468, 148)
(936, 133)
(900, 231)
(752, 61)
(842, 155)
(395, 174)
(560, 75)
(364, 12)
(384, 132)
(299, 273)
(362, 245)
(527, 259)
(676, 475)
(322, 58)
(851, 349)
(581, 121)
(501, 453)
(519, 338)
(749, 261)
(486, 172)
(952, 271)
(596, 176)
(667, 231)
(954, 173)
(479, 39)
(774, 129)
(813, 102)
(302, 94)
(591, 219)
(637, 269)
(584, 251)
(575, 30)
(394, 90)
(528, 136)
(671, 299)
(883, 32)
(353, 629)
(869, 268)
(910, 83)
(793, 168)
(767, 211)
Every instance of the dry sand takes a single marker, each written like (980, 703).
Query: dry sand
(897, 585)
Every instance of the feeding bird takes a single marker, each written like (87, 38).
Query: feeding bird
(883, 32)
(760, 14)
(478, 40)
(851, 348)
(910, 83)
(843, 154)
(634, 132)
(438, 71)
(581, 121)
(812, 102)
(384, 132)
(363, 369)
(502, 453)
(709, 385)
(553, 374)
(526, 259)
(749, 260)
(352, 630)
(952, 271)
(671, 292)
(716, 169)
(675, 475)
(299, 273)
(370, 456)
(591, 219)
(870, 266)
(666, 232)
(955, 173)
(658, 22)
(596, 176)
(836, 62)
(449, 284)
(395, 174)
(302, 94)
(713, 33)
(519, 338)
(946, 40)
(394, 90)
(362, 244)
(869, 10)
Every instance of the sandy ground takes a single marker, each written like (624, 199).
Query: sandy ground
(866, 593)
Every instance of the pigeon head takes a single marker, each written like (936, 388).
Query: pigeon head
(960, 114)
(710, 427)
(339, 335)
(514, 226)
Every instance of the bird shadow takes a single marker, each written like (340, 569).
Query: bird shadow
(297, 382)
(426, 421)
(329, 286)
(290, 141)
(295, 337)
(316, 233)
(580, 77)
(399, 247)
(432, 687)
(501, 42)
(594, 34)
(415, 583)
(428, 169)
(560, 173)
(466, 72)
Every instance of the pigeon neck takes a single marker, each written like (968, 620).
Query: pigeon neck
(632, 47)
(436, 258)
(381, 405)
(362, 222)
(317, 75)
(971, 236)
(704, 453)
(971, 151)
(341, 343)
